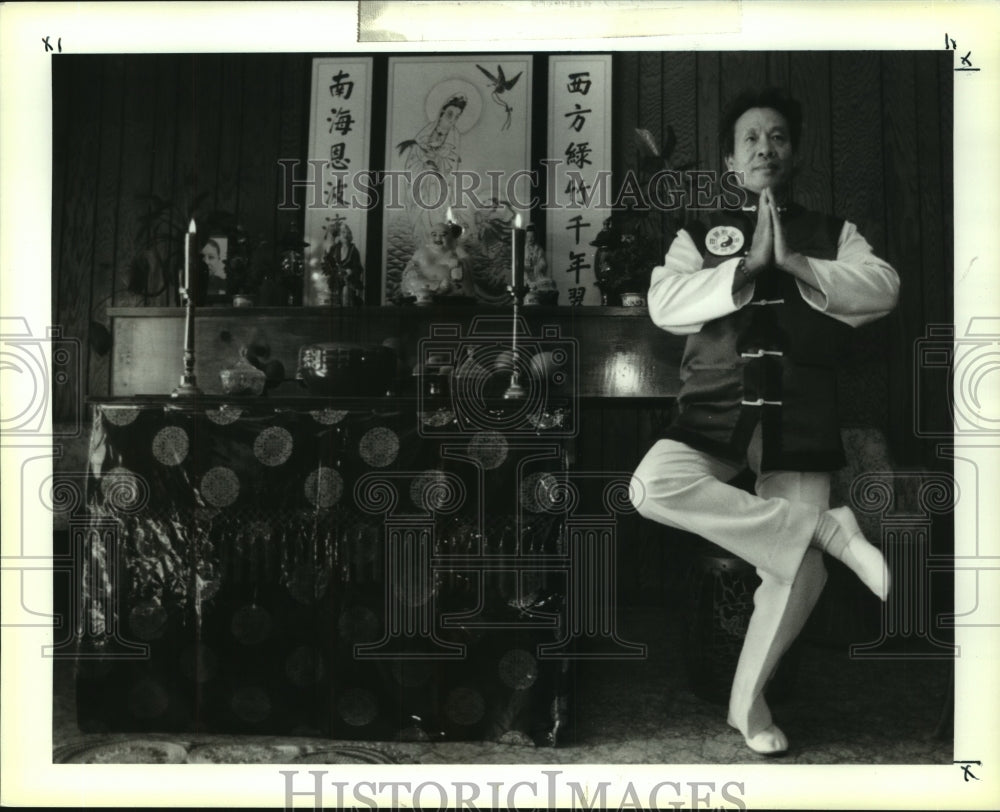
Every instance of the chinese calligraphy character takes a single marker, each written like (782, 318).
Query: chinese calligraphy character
(579, 83)
(575, 223)
(337, 159)
(579, 119)
(577, 189)
(577, 153)
(576, 264)
(576, 295)
(335, 193)
(340, 120)
(341, 87)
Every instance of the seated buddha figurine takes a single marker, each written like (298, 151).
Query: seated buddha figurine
(438, 268)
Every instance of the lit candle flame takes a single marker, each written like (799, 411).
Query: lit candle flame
(517, 220)
(188, 238)
(449, 216)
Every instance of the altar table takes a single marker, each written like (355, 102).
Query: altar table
(357, 570)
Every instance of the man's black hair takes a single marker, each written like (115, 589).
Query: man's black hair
(771, 97)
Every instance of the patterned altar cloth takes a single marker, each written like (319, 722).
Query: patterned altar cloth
(363, 573)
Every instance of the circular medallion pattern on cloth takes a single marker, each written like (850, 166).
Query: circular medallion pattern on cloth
(489, 448)
(539, 492)
(171, 445)
(124, 490)
(357, 707)
(328, 417)
(121, 415)
(358, 624)
(433, 490)
(518, 669)
(224, 415)
(379, 447)
(324, 487)
(251, 703)
(273, 446)
(304, 667)
(220, 486)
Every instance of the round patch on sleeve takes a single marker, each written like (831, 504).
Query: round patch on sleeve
(723, 241)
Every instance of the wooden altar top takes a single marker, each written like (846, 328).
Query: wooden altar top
(615, 352)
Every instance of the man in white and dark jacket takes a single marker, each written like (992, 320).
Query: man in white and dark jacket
(765, 294)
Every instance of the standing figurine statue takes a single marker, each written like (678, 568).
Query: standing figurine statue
(342, 266)
(542, 288)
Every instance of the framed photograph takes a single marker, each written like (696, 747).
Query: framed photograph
(213, 266)
(458, 152)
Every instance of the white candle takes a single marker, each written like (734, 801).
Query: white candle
(517, 238)
(188, 239)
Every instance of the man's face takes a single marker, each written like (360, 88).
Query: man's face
(762, 149)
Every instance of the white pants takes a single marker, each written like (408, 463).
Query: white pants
(681, 487)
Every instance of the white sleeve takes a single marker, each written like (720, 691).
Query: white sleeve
(683, 295)
(855, 288)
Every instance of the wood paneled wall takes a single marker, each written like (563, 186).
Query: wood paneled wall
(174, 126)
(876, 149)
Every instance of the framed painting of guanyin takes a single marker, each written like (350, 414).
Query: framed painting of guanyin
(457, 161)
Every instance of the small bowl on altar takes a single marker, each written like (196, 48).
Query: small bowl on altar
(243, 378)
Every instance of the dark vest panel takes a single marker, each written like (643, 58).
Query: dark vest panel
(773, 361)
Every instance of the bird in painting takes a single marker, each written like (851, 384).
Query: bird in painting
(501, 84)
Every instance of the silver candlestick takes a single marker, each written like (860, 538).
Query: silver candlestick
(515, 391)
(189, 383)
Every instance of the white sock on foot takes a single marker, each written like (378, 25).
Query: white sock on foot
(838, 534)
